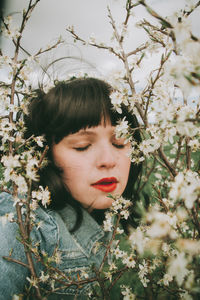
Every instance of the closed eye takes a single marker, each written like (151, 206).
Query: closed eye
(82, 148)
(118, 146)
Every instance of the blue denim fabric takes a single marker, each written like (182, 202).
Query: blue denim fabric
(76, 248)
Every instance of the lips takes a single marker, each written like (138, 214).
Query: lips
(106, 185)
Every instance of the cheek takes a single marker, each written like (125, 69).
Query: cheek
(126, 164)
(125, 169)
(71, 172)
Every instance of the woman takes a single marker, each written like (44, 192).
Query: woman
(86, 162)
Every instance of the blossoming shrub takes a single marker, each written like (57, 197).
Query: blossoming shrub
(160, 257)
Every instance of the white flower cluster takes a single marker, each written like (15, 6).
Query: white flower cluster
(6, 130)
(108, 222)
(121, 206)
(149, 145)
(143, 272)
(42, 195)
(10, 30)
(187, 60)
(186, 187)
(15, 164)
(177, 267)
(127, 293)
(117, 98)
(9, 217)
(129, 260)
(138, 239)
(162, 224)
(121, 129)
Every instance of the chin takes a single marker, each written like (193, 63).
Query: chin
(106, 205)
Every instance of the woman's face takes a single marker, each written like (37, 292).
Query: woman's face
(94, 164)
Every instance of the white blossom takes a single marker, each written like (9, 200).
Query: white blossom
(122, 128)
(21, 183)
(7, 218)
(58, 257)
(129, 261)
(166, 279)
(33, 281)
(39, 140)
(127, 293)
(143, 271)
(118, 252)
(11, 161)
(44, 277)
(162, 225)
(107, 225)
(138, 240)
(178, 267)
(150, 145)
(182, 30)
(117, 99)
(42, 195)
(186, 186)
(108, 275)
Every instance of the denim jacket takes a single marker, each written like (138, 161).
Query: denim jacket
(77, 249)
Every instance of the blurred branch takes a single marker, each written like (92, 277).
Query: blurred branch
(155, 14)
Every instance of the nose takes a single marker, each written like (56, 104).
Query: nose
(106, 158)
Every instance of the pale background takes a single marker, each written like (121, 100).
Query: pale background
(89, 17)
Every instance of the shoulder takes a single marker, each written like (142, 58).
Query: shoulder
(8, 230)
(7, 212)
(45, 230)
(6, 203)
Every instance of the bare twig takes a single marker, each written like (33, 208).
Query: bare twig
(43, 156)
(25, 237)
(155, 14)
(188, 153)
(138, 49)
(166, 162)
(8, 258)
(100, 46)
(187, 13)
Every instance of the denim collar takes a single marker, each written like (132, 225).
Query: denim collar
(87, 234)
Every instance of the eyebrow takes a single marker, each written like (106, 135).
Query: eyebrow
(84, 133)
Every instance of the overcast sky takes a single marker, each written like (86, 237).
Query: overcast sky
(51, 17)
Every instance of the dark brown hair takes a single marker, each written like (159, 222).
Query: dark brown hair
(67, 108)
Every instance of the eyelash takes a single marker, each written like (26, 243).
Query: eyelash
(118, 146)
(82, 148)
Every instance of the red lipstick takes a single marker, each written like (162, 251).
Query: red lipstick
(106, 185)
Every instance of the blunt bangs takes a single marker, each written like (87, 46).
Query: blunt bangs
(80, 103)
(73, 105)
